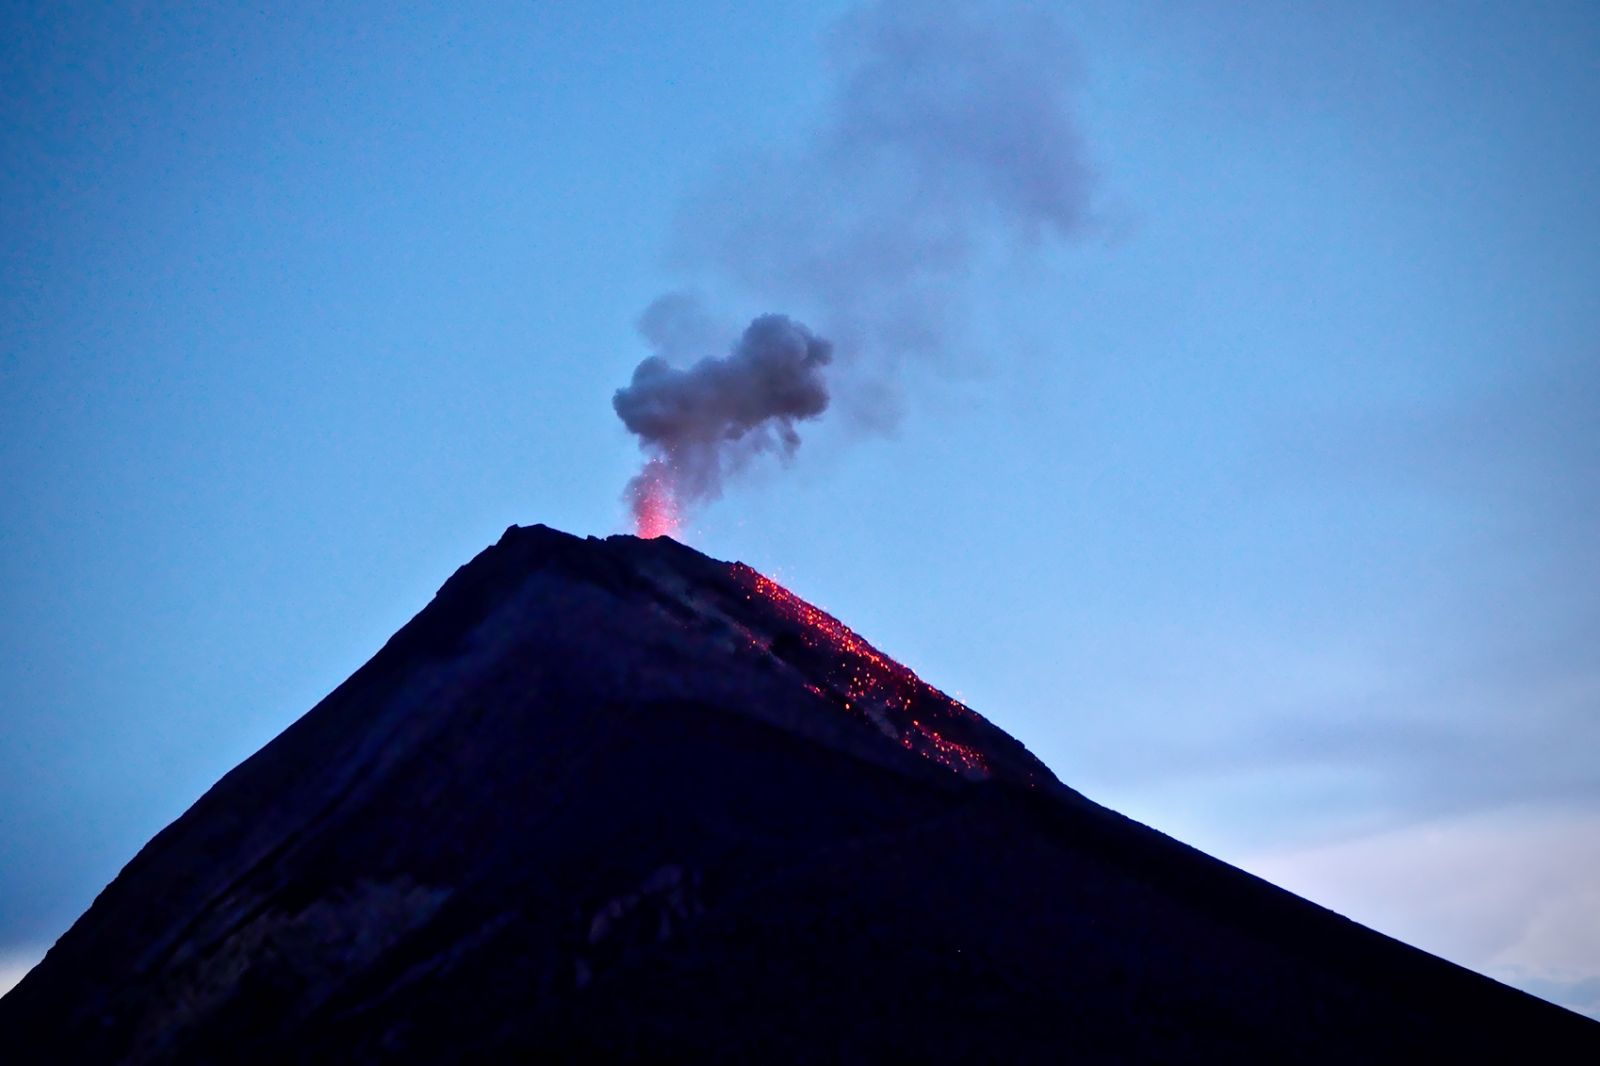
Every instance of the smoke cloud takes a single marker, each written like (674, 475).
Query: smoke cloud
(698, 424)
(949, 139)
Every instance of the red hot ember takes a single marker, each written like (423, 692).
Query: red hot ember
(896, 701)
(655, 507)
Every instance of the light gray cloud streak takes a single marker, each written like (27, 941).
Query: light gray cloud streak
(949, 135)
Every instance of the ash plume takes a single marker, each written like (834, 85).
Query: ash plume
(949, 142)
(697, 424)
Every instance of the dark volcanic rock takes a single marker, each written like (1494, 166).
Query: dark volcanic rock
(615, 800)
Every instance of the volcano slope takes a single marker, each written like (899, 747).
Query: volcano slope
(614, 800)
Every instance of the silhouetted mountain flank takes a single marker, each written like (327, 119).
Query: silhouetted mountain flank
(611, 799)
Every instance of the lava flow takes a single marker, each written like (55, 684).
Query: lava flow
(871, 684)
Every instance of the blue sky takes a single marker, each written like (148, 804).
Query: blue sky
(1262, 504)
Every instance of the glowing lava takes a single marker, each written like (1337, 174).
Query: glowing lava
(869, 684)
(655, 507)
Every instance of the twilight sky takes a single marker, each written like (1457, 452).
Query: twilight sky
(1221, 417)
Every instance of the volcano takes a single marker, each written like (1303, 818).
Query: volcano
(614, 800)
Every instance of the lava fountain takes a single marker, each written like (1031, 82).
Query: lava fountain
(655, 505)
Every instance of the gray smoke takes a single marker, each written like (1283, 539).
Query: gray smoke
(949, 141)
(698, 424)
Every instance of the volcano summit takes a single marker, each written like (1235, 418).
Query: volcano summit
(614, 800)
